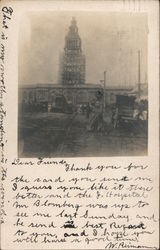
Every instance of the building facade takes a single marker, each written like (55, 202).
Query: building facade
(80, 94)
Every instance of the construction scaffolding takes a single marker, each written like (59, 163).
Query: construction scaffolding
(72, 61)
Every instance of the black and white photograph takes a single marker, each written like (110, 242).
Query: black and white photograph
(82, 84)
(79, 124)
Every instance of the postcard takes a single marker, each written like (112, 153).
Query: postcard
(79, 116)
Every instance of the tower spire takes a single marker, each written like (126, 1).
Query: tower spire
(73, 41)
(73, 61)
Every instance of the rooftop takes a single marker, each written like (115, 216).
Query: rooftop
(80, 86)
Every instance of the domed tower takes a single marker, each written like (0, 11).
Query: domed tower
(72, 60)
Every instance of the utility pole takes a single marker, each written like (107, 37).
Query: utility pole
(104, 94)
(139, 74)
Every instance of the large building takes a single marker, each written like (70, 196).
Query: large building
(73, 94)
(71, 78)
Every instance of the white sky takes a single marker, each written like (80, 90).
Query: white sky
(110, 41)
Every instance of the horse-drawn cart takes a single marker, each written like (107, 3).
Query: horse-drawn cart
(125, 110)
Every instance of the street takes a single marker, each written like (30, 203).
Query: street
(67, 135)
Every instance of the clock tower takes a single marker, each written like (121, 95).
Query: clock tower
(72, 62)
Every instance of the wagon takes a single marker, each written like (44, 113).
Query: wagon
(125, 110)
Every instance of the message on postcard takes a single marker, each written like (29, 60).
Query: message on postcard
(79, 125)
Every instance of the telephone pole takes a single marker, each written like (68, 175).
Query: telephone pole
(104, 94)
(139, 74)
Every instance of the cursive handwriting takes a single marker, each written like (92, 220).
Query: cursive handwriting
(83, 209)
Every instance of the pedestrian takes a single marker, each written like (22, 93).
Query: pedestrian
(88, 110)
(49, 107)
(115, 118)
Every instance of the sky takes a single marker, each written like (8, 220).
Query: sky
(110, 42)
